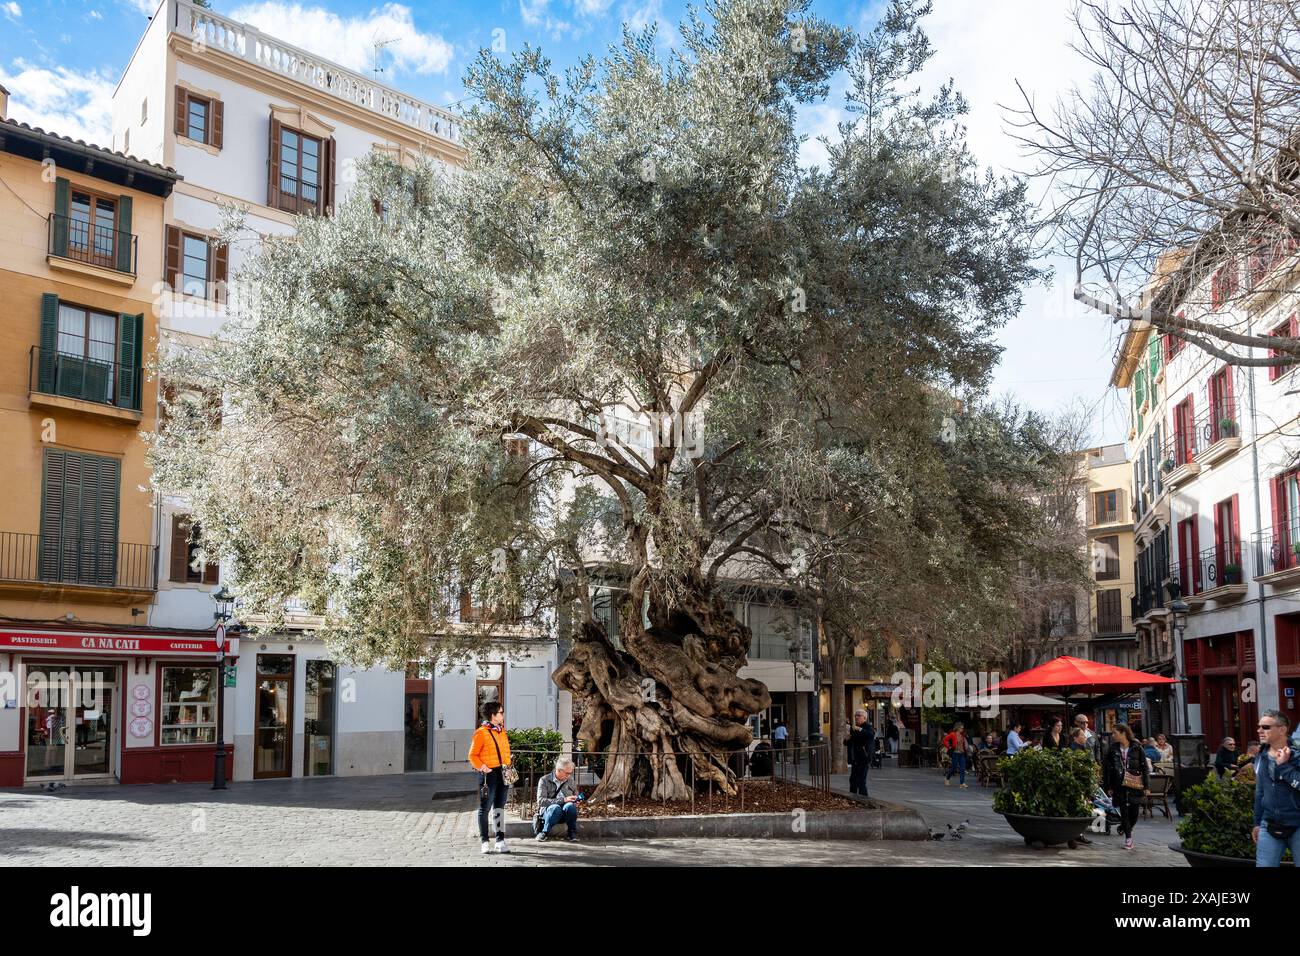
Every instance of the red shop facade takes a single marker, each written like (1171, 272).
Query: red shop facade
(1217, 668)
(104, 705)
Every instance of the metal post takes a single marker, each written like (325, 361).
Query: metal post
(219, 765)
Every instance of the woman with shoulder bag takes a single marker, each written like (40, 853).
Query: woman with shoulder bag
(1126, 779)
(489, 754)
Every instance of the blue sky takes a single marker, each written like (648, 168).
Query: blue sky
(61, 58)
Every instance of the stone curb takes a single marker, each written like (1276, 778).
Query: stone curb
(883, 821)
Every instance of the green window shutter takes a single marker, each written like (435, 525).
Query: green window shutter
(51, 547)
(49, 343)
(130, 332)
(1140, 388)
(62, 209)
(125, 251)
(79, 518)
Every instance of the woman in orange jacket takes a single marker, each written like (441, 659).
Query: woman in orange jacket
(488, 753)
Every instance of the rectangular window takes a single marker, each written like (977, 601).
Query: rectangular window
(1105, 507)
(92, 229)
(1227, 543)
(1106, 558)
(188, 705)
(144, 111)
(1110, 617)
(85, 354)
(1223, 413)
(489, 686)
(300, 171)
(194, 266)
(1286, 330)
(1174, 343)
(1184, 432)
(196, 118)
(185, 547)
(1189, 558)
(318, 718)
(79, 514)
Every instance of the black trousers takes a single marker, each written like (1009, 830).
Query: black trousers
(494, 803)
(858, 776)
(1127, 803)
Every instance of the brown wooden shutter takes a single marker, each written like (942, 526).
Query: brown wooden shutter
(220, 269)
(273, 166)
(330, 149)
(180, 548)
(211, 572)
(172, 265)
(182, 111)
(217, 126)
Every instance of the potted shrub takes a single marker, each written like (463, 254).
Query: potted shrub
(1227, 428)
(1044, 794)
(1218, 816)
(1168, 465)
(1232, 574)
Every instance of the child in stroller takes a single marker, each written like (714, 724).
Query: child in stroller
(1104, 814)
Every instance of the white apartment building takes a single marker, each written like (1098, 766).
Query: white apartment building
(1216, 506)
(251, 120)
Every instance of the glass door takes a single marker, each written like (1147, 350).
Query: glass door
(273, 744)
(71, 730)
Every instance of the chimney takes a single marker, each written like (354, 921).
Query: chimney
(4, 103)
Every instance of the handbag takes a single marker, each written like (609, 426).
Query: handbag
(1278, 831)
(1132, 781)
(508, 773)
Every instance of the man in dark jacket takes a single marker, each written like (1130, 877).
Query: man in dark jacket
(1277, 793)
(862, 744)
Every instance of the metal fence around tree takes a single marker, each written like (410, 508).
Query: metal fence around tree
(796, 764)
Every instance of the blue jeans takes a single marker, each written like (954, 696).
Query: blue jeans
(493, 806)
(958, 766)
(568, 812)
(1268, 852)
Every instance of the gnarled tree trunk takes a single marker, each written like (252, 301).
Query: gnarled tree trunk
(668, 707)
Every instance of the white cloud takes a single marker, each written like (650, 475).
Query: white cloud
(350, 41)
(536, 13)
(76, 103)
(95, 15)
(591, 8)
(639, 15)
(147, 7)
(12, 10)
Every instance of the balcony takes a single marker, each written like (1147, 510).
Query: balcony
(1278, 558)
(61, 380)
(216, 33)
(1213, 436)
(76, 245)
(56, 560)
(855, 669)
(1214, 575)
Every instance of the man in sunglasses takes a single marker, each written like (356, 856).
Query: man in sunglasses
(1277, 793)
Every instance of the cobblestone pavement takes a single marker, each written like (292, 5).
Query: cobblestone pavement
(392, 820)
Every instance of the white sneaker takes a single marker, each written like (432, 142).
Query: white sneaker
(486, 847)
(501, 847)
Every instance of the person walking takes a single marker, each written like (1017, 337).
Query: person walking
(489, 754)
(1226, 758)
(892, 728)
(955, 743)
(1126, 778)
(779, 737)
(1277, 793)
(862, 742)
(1052, 740)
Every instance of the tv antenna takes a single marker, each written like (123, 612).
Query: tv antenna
(379, 46)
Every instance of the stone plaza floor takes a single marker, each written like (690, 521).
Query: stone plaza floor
(392, 821)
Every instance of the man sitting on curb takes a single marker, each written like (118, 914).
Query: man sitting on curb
(557, 800)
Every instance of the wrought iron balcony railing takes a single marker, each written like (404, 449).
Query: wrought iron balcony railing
(97, 245)
(51, 372)
(49, 558)
(1183, 445)
(1276, 549)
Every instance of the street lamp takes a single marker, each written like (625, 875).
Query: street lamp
(225, 602)
(1179, 608)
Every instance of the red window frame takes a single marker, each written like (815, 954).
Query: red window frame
(1286, 329)
(1184, 432)
(1227, 537)
(1174, 343)
(1189, 557)
(1222, 405)
(1284, 555)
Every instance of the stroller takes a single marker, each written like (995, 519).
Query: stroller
(1105, 816)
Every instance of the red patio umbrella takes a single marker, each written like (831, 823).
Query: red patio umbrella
(1069, 676)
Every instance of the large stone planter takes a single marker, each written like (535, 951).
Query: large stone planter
(1049, 831)
(1210, 859)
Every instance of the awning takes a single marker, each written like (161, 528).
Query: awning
(147, 643)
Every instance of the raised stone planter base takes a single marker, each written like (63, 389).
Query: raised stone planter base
(877, 821)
